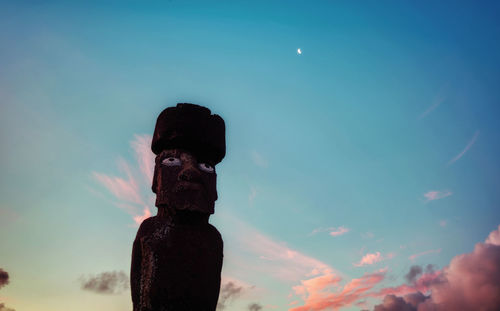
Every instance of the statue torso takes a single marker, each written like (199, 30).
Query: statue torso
(180, 265)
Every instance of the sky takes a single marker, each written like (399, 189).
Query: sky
(361, 173)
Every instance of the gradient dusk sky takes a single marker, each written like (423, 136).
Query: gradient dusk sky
(350, 166)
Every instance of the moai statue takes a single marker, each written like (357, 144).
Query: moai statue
(177, 254)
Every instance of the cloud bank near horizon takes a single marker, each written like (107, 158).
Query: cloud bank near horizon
(471, 282)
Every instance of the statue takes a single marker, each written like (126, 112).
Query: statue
(177, 254)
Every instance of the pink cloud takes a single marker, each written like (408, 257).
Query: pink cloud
(436, 195)
(421, 284)
(125, 189)
(145, 157)
(370, 259)
(339, 231)
(133, 195)
(494, 237)
(333, 231)
(471, 282)
(257, 252)
(469, 145)
(327, 294)
(431, 251)
(140, 218)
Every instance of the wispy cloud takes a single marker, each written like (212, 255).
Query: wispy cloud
(461, 154)
(253, 250)
(326, 293)
(372, 258)
(252, 195)
(437, 101)
(367, 235)
(431, 251)
(145, 157)
(333, 231)
(258, 159)
(125, 189)
(436, 195)
(133, 192)
(228, 292)
(339, 231)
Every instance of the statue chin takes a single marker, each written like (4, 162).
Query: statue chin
(184, 201)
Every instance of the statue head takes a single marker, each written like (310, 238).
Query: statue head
(188, 142)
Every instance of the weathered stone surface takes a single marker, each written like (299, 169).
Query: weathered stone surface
(177, 255)
(176, 264)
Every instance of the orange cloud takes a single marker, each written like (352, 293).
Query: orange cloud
(318, 293)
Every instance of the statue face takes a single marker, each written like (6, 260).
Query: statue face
(183, 182)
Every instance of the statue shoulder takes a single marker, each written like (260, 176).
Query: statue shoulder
(146, 226)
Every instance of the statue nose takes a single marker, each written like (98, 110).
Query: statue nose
(190, 173)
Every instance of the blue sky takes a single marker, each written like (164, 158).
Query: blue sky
(385, 126)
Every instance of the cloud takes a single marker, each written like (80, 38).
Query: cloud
(431, 251)
(413, 273)
(339, 231)
(145, 157)
(461, 154)
(470, 282)
(370, 259)
(228, 292)
(394, 303)
(254, 252)
(4, 308)
(4, 278)
(258, 159)
(436, 195)
(325, 292)
(333, 231)
(367, 235)
(254, 307)
(494, 237)
(133, 191)
(437, 101)
(252, 195)
(113, 282)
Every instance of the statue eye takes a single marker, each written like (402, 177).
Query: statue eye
(206, 167)
(171, 161)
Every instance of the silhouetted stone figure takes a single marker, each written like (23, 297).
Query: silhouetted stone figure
(177, 254)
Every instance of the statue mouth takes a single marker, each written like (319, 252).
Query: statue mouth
(188, 186)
